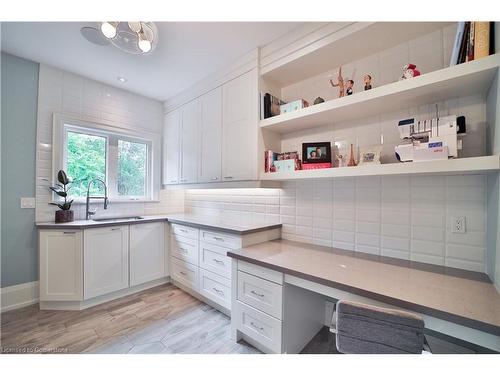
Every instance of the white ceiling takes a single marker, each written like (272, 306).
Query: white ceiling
(186, 53)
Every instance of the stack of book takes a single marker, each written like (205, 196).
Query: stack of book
(269, 105)
(473, 40)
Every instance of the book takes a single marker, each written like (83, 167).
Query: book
(463, 44)
(470, 43)
(456, 45)
(482, 39)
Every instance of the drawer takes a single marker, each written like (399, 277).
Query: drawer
(216, 288)
(185, 249)
(185, 273)
(185, 231)
(263, 328)
(213, 258)
(262, 272)
(232, 242)
(264, 295)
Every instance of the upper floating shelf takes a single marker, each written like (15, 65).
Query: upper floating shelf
(340, 46)
(466, 79)
(451, 166)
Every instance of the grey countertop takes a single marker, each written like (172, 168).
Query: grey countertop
(240, 225)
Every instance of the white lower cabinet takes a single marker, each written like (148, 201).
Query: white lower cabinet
(185, 273)
(105, 260)
(147, 252)
(215, 288)
(61, 265)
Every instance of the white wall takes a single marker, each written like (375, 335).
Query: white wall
(82, 98)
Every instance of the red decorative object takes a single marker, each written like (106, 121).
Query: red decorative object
(317, 166)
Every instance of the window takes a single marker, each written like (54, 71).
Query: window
(122, 159)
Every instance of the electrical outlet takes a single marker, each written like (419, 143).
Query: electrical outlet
(458, 224)
(27, 202)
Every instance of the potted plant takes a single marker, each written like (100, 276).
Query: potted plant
(65, 214)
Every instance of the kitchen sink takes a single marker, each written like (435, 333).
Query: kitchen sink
(115, 219)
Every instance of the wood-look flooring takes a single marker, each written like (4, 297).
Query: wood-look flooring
(163, 319)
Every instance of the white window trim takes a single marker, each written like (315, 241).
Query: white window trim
(62, 124)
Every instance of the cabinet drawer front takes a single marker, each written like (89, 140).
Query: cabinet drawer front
(185, 231)
(264, 273)
(213, 258)
(185, 273)
(232, 242)
(185, 249)
(263, 328)
(215, 288)
(264, 295)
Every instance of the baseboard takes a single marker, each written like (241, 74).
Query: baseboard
(17, 296)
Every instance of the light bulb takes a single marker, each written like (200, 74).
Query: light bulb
(144, 45)
(135, 26)
(109, 29)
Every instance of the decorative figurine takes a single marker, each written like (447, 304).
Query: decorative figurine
(352, 162)
(409, 71)
(318, 100)
(340, 83)
(350, 85)
(368, 82)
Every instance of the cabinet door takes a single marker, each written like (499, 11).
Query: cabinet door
(189, 142)
(210, 163)
(239, 128)
(61, 265)
(147, 252)
(171, 147)
(105, 260)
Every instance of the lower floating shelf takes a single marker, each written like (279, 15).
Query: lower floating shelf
(465, 165)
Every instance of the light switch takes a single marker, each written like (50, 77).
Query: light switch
(27, 202)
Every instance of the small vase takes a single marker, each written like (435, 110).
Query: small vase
(64, 216)
(352, 162)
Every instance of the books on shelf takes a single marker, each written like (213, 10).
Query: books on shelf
(473, 40)
(269, 105)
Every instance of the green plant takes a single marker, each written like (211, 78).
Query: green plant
(62, 189)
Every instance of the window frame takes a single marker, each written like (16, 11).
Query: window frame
(64, 124)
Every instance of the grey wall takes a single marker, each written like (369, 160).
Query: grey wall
(19, 92)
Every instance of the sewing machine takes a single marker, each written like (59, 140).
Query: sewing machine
(432, 139)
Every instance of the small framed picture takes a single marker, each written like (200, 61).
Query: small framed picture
(320, 152)
(370, 155)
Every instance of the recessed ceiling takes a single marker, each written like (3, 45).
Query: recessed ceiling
(186, 53)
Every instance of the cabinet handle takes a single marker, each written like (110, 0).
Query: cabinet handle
(256, 326)
(183, 250)
(115, 228)
(215, 178)
(183, 180)
(228, 177)
(69, 232)
(218, 261)
(218, 291)
(173, 180)
(257, 294)
(183, 273)
(218, 238)
(183, 230)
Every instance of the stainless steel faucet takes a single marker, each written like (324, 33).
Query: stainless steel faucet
(105, 197)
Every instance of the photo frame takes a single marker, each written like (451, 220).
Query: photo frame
(316, 152)
(370, 155)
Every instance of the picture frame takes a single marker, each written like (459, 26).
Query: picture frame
(316, 152)
(370, 155)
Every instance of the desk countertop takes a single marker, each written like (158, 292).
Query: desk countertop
(462, 297)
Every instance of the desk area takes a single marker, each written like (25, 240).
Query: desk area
(461, 304)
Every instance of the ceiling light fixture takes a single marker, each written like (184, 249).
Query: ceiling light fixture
(132, 37)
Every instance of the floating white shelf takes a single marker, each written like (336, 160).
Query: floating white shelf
(451, 166)
(470, 78)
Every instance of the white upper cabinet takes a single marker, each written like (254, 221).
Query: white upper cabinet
(171, 147)
(210, 162)
(147, 252)
(190, 125)
(105, 260)
(239, 128)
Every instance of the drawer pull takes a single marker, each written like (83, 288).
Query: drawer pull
(218, 291)
(182, 250)
(218, 261)
(183, 230)
(257, 294)
(183, 273)
(256, 326)
(115, 228)
(69, 232)
(218, 238)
